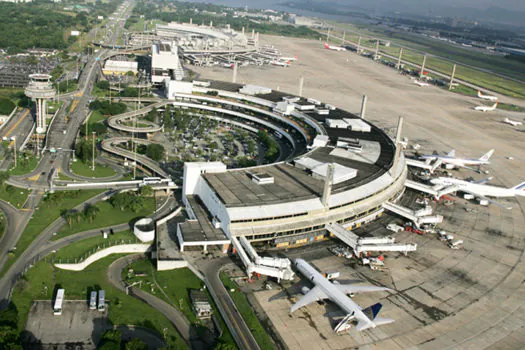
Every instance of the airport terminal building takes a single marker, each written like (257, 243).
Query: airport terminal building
(344, 175)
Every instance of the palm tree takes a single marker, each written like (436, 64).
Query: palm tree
(91, 212)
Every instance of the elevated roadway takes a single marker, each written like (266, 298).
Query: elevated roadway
(110, 145)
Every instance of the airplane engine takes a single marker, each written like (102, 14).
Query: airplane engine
(449, 166)
(305, 290)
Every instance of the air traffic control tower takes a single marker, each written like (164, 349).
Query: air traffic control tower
(40, 89)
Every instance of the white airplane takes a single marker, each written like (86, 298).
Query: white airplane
(421, 83)
(486, 108)
(228, 65)
(289, 59)
(324, 289)
(487, 97)
(512, 122)
(335, 48)
(280, 63)
(451, 161)
(476, 188)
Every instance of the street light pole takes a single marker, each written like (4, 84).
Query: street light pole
(15, 149)
(93, 155)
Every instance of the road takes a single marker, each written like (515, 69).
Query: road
(180, 322)
(236, 324)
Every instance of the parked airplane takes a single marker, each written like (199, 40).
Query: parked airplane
(451, 161)
(228, 65)
(477, 188)
(512, 122)
(324, 289)
(335, 48)
(289, 59)
(487, 97)
(280, 63)
(486, 108)
(421, 83)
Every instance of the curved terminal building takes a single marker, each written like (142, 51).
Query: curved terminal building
(339, 169)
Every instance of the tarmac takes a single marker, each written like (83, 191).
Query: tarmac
(442, 298)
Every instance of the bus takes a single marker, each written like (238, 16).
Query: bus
(151, 180)
(93, 301)
(101, 300)
(59, 299)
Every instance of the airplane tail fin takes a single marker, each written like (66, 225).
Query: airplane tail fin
(479, 93)
(520, 189)
(486, 156)
(495, 105)
(452, 153)
(326, 46)
(371, 312)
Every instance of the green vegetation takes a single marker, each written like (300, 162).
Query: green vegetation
(182, 12)
(510, 107)
(96, 124)
(26, 163)
(173, 287)
(155, 151)
(3, 224)
(84, 169)
(414, 46)
(108, 108)
(16, 196)
(84, 150)
(48, 211)
(66, 86)
(87, 246)
(464, 90)
(246, 310)
(43, 279)
(272, 147)
(6, 106)
(104, 215)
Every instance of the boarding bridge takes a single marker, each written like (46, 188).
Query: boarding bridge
(421, 187)
(274, 267)
(413, 215)
(343, 234)
(393, 247)
(369, 244)
(424, 165)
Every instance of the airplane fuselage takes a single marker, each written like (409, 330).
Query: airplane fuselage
(456, 161)
(479, 189)
(335, 295)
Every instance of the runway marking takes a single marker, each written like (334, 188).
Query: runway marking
(16, 124)
(73, 106)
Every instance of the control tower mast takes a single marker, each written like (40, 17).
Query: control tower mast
(40, 89)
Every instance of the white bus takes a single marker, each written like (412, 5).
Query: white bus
(151, 180)
(93, 301)
(101, 300)
(59, 299)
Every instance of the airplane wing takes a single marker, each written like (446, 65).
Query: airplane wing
(470, 168)
(491, 201)
(315, 294)
(353, 289)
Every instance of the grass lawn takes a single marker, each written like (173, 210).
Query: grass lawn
(107, 216)
(245, 309)
(510, 107)
(16, 196)
(24, 165)
(43, 278)
(83, 169)
(177, 285)
(3, 224)
(96, 117)
(463, 90)
(45, 214)
(86, 247)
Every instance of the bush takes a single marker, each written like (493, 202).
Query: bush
(6, 106)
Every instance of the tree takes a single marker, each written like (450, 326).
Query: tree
(91, 212)
(9, 338)
(103, 85)
(136, 344)
(127, 200)
(146, 191)
(84, 150)
(69, 215)
(155, 152)
(130, 73)
(4, 175)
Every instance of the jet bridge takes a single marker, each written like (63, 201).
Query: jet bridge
(275, 267)
(421, 187)
(422, 218)
(369, 244)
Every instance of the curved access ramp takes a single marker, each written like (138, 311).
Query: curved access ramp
(109, 145)
(115, 122)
